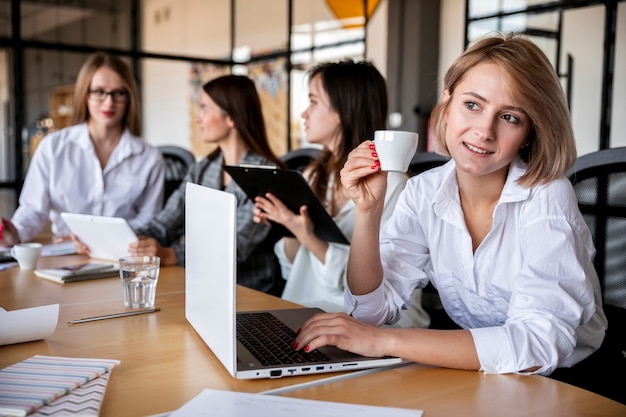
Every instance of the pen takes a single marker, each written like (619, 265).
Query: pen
(113, 316)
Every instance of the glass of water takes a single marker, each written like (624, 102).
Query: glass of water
(139, 276)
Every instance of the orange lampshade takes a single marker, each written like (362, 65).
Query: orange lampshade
(346, 9)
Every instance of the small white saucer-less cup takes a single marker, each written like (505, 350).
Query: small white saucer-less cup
(395, 149)
(26, 254)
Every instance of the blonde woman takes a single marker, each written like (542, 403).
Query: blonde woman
(496, 230)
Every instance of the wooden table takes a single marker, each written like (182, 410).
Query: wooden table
(444, 392)
(164, 363)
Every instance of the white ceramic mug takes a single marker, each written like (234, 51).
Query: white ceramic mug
(395, 149)
(26, 254)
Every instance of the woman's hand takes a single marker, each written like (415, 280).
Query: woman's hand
(342, 331)
(270, 208)
(361, 176)
(81, 248)
(8, 233)
(147, 246)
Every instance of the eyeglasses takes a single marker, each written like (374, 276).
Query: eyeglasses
(118, 96)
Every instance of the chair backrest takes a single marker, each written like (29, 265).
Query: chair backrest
(423, 161)
(599, 179)
(300, 158)
(177, 163)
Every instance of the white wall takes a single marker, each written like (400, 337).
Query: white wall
(583, 39)
(188, 27)
(376, 47)
(451, 34)
(618, 122)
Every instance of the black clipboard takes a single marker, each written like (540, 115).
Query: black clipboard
(293, 190)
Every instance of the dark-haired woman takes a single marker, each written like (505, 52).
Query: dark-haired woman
(231, 118)
(347, 103)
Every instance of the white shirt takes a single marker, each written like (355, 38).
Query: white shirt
(65, 175)
(315, 284)
(529, 294)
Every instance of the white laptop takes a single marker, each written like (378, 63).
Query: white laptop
(210, 304)
(107, 237)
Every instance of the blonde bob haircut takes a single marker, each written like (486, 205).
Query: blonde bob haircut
(550, 149)
(132, 117)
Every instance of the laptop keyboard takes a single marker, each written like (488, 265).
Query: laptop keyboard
(6, 258)
(269, 340)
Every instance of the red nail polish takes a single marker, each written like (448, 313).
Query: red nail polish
(307, 348)
(298, 331)
(373, 167)
(295, 345)
(372, 146)
(374, 154)
(377, 163)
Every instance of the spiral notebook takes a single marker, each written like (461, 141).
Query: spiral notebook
(54, 386)
(79, 272)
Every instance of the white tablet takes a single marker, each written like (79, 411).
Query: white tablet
(106, 237)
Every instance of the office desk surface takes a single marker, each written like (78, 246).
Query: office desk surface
(444, 392)
(164, 363)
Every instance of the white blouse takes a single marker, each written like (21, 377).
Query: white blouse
(313, 283)
(65, 175)
(529, 294)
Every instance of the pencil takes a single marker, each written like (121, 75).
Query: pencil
(113, 316)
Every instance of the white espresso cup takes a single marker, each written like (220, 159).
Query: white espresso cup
(26, 254)
(395, 149)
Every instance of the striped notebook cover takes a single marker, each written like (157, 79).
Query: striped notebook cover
(38, 381)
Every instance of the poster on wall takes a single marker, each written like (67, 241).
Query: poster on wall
(270, 78)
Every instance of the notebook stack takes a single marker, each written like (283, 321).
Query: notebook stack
(54, 386)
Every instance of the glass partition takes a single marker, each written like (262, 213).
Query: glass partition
(174, 47)
(48, 78)
(477, 8)
(5, 18)
(321, 33)
(573, 38)
(252, 37)
(170, 102)
(187, 27)
(89, 22)
(618, 121)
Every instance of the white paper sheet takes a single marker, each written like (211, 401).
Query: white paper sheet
(58, 249)
(7, 265)
(228, 403)
(28, 324)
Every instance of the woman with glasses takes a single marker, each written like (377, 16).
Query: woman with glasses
(98, 165)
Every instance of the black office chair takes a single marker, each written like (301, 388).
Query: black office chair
(300, 158)
(177, 163)
(599, 179)
(423, 161)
